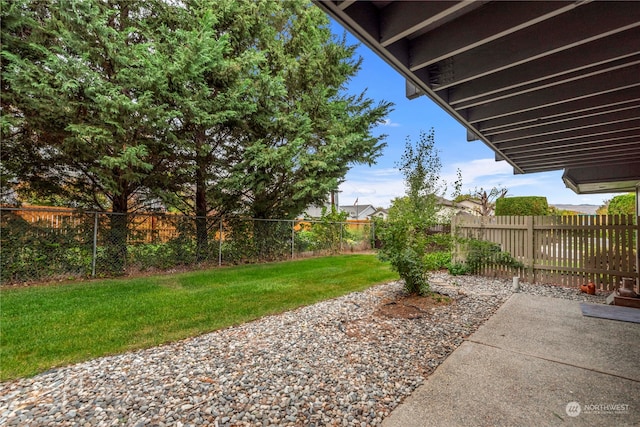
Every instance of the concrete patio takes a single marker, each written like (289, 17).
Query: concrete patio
(537, 361)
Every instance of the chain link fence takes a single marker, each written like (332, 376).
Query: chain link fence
(51, 244)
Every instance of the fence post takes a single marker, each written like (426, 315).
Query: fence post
(530, 242)
(95, 244)
(220, 243)
(373, 235)
(293, 237)
(454, 241)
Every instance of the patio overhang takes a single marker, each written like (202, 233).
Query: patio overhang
(590, 180)
(547, 85)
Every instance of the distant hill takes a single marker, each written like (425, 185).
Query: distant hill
(584, 209)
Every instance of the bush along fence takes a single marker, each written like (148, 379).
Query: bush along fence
(46, 244)
(564, 250)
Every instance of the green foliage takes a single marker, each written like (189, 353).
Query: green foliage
(624, 204)
(328, 232)
(410, 265)
(481, 253)
(83, 119)
(405, 235)
(305, 241)
(253, 241)
(355, 237)
(458, 269)
(603, 209)
(216, 105)
(49, 326)
(439, 242)
(522, 206)
(437, 260)
(463, 197)
(96, 63)
(299, 143)
(61, 246)
(34, 251)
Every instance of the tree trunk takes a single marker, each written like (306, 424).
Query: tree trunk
(202, 208)
(202, 238)
(118, 234)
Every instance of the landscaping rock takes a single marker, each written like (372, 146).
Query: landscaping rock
(339, 362)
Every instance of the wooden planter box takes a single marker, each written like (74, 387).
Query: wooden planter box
(626, 301)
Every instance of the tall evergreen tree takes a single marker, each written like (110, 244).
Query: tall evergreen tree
(225, 106)
(80, 112)
(210, 78)
(272, 130)
(306, 131)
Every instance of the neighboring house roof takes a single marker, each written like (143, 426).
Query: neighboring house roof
(469, 207)
(354, 212)
(358, 211)
(381, 213)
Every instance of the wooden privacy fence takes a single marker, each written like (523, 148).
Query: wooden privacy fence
(564, 250)
(150, 227)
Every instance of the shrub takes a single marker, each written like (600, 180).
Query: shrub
(530, 205)
(480, 253)
(410, 266)
(404, 237)
(34, 251)
(437, 260)
(624, 204)
(304, 241)
(458, 269)
(329, 232)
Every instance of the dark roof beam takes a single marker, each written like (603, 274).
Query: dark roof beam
(481, 26)
(596, 53)
(401, 19)
(593, 105)
(619, 137)
(563, 32)
(606, 70)
(582, 162)
(516, 81)
(562, 119)
(547, 165)
(579, 124)
(567, 150)
(625, 78)
(603, 179)
(360, 15)
(579, 161)
(345, 4)
(602, 131)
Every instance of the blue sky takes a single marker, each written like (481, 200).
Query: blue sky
(379, 184)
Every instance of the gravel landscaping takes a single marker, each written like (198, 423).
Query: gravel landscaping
(342, 362)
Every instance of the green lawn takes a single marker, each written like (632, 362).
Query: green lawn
(46, 326)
